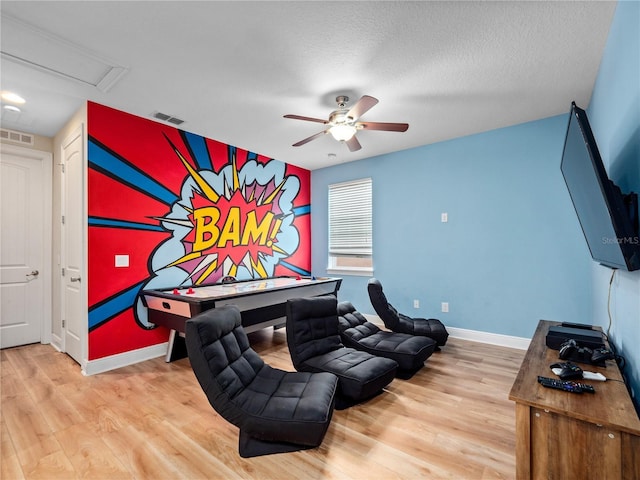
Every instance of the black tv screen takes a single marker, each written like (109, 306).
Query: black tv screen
(609, 218)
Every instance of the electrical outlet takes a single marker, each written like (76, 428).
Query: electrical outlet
(445, 307)
(444, 217)
(416, 304)
(122, 260)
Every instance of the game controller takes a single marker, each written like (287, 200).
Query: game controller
(601, 354)
(567, 370)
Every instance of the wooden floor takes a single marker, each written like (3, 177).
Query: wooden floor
(152, 421)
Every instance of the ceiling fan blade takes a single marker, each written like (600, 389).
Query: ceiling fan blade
(389, 127)
(308, 119)
(308, 139)
(353, 144)
(362, 106)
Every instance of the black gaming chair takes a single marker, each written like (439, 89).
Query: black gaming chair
(276, 411)
(398, 322)
(409, 351)
(315, 346)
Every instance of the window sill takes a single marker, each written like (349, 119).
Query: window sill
(359, 272)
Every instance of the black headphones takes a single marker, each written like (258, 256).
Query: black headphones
(568, 348)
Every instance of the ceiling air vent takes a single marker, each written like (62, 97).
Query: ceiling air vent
(167, 118)
(17, 137)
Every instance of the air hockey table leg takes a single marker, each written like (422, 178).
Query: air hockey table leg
(176, 347)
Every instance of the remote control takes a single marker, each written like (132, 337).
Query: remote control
(585, 388)
(567, 386)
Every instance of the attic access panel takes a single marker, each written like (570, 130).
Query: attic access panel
(38, 49)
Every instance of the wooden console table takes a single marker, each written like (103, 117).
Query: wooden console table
(562, 435)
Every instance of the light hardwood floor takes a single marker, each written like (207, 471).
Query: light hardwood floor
(152, 421)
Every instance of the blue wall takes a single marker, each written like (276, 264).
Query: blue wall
(512, 252)
(614, 114)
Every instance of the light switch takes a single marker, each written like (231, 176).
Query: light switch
(122, 260)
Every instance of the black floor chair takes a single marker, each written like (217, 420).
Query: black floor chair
(276, 411)
(315, 346)
(409, 351)
(397, 322)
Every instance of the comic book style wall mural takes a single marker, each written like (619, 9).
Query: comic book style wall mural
(180, 210)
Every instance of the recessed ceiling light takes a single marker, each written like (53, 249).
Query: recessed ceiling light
(12, 108)
(12, 97)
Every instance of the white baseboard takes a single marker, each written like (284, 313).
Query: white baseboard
(520, 343)
(474, 335)
(56, 342)
(112, 362)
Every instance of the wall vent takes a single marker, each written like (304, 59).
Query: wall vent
(17, 137)
(167, 118)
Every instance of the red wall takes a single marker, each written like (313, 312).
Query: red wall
(186, 210)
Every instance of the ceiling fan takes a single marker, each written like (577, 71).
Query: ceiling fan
(343, 122)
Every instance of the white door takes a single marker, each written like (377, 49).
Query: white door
(25, 222)
(74, 318)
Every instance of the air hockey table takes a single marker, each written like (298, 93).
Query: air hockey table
(262, 303)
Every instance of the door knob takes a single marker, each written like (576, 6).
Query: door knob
(34, 273)
(75, 279)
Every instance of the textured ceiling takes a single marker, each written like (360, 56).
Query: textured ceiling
(231, 70)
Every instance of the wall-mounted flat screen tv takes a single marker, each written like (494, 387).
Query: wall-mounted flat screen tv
(609, 218)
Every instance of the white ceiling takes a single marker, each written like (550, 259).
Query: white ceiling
(231, 70)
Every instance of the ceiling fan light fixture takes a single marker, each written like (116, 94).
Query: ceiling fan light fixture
(343, 123)
(343, 132)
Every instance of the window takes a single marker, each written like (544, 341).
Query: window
(350, 228)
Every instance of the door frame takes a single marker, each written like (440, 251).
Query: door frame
(47, 188)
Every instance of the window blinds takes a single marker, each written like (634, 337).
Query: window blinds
(350, 226)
